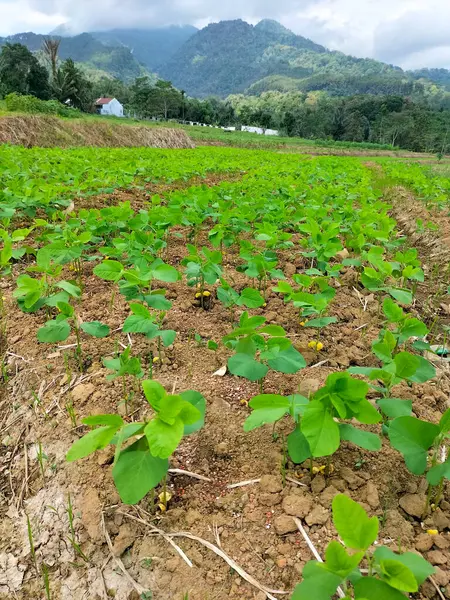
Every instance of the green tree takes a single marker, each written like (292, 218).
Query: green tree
(21, 72)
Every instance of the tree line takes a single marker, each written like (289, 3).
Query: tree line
(389, 119)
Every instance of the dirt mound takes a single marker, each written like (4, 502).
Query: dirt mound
(48, 131)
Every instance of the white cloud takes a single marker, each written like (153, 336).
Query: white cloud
(405, 32)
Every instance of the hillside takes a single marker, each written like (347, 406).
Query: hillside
(235, 57)
(116, 61)
(151, 47)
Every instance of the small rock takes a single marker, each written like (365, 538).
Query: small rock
(267, 499)
(442, 542)
(270, 316)
(289, 269)
(124, 540)
(372, 497)
(343, 254)
(424, 542)
(354, 481)
(192, 516)
(326, 498)
(284, 524)
(281, 562)
(82, 392)
(308, 387)
(297, 506)
(440, 520)
(318, 484)
(413, 504)
(91, 510)
(436, 557)
(172, 564)
(318, 516)
(441, 577)
(271, 484)
(285, 549)
(221, 449)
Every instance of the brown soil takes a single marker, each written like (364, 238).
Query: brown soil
(248, 520)
(49, 132)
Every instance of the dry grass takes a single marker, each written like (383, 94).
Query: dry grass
(47, 132)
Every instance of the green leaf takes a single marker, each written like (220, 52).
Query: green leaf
(250, 298)
(166, 273)
(154, 393)
(320, 429)
(420, 568)
(322, 322)
(94, 440)
(139, 324)
(158, 302)
(402, 296)
(412, 328)
(339, 562)
(130, 430)
(199, 402)
(352, 523)
(392, 311)
(167, 337)
(72, 290)
(413, 438)
(370, 588)
(54, 331)
(287, 361)
(363, 439)
(406, 365)
(298, 446)
(273, 330)
(163, 439)
(393, 407)
(136, 472)
(109, 270)
(246, 366)
(266, 408)
(109, 420)
(382, 351)
(424, 372)
(435, 474)
(398, 576)
(444, 423)
(96, 329)
(317, 584)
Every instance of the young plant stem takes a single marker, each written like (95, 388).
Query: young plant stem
(78, 353)
(284, 460)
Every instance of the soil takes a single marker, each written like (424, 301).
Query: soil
(251, 523)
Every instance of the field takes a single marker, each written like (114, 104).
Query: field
(204, 354)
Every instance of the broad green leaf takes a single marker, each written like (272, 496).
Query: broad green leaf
(287, 361)
(339, 562)
(163, 439)
(424, 372)
(320, 429)
(109, 420)
(54, 331)
(413, 438)
(444, 423)
(398, 576)
(352, 523)
(165, 273)
(370, 588)
(298, 446)
(402, 296)
(250, 298)
(363, 439)
(317, 584)
(167, 337)
(158, 302)
(109, 270)
(266, 408)
(393, 407)
(154, 393)
(140, 310)
(244, 365)
(70, 288)
(435, 474)
(139, 324)
(129, 431)
(199, 402)
(382, 351)
(420, 568)
(406, 364)
(170, 407)
(392, 311)
(274, 330)
(189, 414)
(412, 328)
(94, 440)
(96, 329)
(321, 322)
(136, 472)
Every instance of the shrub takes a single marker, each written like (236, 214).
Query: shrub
(30, 104)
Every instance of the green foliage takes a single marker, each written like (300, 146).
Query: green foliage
(390, 574)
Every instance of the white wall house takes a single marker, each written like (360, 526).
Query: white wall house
(260, 130)
(108, 106)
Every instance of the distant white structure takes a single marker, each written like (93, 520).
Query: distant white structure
(108, 106)
(259, 130)
(229, 128)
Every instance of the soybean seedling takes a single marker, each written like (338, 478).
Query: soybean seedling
(143, 464)
(124, 364)
(230, 298)
(202, 267)
(390, 574)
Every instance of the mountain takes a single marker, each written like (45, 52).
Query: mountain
(228, 57)
(151, 47)
(234, 57)
(116, 61)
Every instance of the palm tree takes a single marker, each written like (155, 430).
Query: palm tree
(50, 48)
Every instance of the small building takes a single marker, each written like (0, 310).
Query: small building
(108, 106)
(260, 130)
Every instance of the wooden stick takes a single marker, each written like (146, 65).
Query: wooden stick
(292, 480)
(242, 483)
(189, 474)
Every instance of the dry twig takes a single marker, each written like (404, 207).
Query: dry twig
(242, 483)
(188, 474)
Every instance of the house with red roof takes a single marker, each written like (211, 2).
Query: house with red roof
(108, 106)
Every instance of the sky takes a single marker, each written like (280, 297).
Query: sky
(408, 33)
